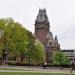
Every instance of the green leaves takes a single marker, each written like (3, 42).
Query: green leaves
(18, 41)
(59, 58)
(15, 36)
(35, 51)
(40, 52)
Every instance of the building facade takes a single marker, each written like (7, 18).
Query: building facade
(44, 34)
(70, 54)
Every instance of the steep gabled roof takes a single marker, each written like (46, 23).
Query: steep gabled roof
(42, 16)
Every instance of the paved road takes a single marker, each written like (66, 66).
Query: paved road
(36, 69)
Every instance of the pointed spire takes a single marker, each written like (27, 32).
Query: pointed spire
(56, 39)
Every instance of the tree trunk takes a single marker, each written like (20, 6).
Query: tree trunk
(29, 60)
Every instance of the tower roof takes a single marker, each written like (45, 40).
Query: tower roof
(42, 16)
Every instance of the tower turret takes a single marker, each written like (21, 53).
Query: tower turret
(42, 26)
(42, 16)
(44, 35)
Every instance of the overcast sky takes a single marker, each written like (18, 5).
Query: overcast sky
(61, 14)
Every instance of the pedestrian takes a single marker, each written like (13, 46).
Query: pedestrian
(45, 65)
(72, 66)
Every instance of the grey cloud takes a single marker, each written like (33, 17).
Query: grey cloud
(61, 14)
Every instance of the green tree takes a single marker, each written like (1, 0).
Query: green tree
(39, 52)
(60, 59)
(14, 38)
(19, 38)
(35, 50)
(30, 47)
(17, 41)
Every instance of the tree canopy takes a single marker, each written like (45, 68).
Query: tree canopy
(60, 59)
(18, 41)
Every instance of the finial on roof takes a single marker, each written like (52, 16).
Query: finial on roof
(56, 38)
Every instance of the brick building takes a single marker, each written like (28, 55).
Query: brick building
(44, 34)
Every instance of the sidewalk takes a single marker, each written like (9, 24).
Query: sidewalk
(36, 69)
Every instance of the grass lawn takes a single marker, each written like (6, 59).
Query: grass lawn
(13, 69)
(17, 73)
